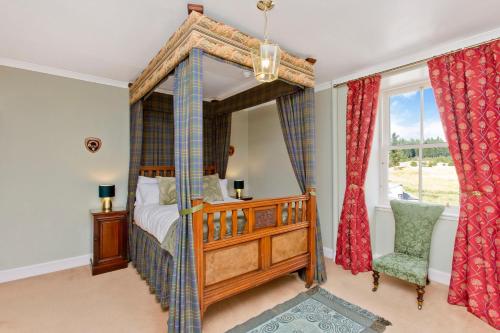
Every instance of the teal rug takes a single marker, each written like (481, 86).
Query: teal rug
(315, 310)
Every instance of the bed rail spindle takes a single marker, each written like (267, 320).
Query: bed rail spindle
(279, 216)
(222, 225)
(234, 220)
(297, 212)
(304, 211)
(210, 223)
(289, 210)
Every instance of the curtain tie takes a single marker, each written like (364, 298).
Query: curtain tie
(192, 210)
(355, 187)
(472, 193)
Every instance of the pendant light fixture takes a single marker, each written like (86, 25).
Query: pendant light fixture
(266, 59)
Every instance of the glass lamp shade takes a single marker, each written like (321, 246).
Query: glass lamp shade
(266, 62)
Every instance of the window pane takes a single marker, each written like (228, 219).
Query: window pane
(403, 174)
(433, 129)
(439, 178)
(405, 118)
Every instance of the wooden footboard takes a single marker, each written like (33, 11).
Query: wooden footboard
(278, 238)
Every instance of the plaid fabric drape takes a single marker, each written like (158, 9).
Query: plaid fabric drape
(296, 113)
(216, 139)
(158, 132)
(152, 262)
(134, 164)
(184, 313)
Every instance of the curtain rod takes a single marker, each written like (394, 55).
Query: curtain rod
(418, 62)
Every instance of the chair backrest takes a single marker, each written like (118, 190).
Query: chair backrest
(414, 225)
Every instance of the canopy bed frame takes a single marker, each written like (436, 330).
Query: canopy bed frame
(280, 235)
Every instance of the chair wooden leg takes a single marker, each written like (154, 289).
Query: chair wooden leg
(376, 276)
(420, 296)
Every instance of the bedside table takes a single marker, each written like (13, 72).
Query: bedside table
(110, 231)
(243, 198)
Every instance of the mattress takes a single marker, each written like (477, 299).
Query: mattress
(158, 219)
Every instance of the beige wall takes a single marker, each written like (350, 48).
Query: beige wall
(48, 180)
(324, 170)
(269, 172)
(237, 166)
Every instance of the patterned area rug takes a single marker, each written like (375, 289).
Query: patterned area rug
(315, 310)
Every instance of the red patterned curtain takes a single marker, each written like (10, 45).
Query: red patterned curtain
(466, 86)
(353, 240)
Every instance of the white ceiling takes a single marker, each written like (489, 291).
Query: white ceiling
(115, 39)
(220, 80)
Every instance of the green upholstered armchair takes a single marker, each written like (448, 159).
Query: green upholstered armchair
(410, 260)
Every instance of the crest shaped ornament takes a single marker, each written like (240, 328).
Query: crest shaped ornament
(93, 144)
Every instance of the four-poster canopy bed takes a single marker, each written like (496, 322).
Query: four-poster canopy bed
(224, 248)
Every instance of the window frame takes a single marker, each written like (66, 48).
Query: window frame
(385, 140)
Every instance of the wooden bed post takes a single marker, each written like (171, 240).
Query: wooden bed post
(198, 251)
(311, 216)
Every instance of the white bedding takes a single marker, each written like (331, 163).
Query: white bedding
(156, 219)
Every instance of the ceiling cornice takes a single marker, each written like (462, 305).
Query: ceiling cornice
(442, 48)
(61, 72)
(428, 53)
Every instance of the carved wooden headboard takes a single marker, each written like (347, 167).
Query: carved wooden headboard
(168, 171)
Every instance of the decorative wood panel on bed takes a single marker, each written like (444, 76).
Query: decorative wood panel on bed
(278, 238)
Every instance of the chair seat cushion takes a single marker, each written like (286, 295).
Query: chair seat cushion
(402, 266)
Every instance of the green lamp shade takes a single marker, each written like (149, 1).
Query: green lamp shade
(239, 184)
(106, 191)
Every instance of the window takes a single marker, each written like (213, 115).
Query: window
(416, 163)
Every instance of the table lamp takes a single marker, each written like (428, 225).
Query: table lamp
(239, 185)
(106, 192)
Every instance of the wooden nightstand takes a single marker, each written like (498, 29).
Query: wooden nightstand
(110, 240)
(243, 198)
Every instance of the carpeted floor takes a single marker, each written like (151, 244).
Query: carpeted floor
(74, 301)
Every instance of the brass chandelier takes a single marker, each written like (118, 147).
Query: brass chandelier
(266, 59)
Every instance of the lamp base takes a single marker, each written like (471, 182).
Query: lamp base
(107, 205)
(238, 194)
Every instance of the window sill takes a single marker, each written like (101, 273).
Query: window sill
(446, 216)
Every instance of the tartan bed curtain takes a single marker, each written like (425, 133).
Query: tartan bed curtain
(216, 139)
(296, 113)
(184, 308)
(158, 130)
(158, 133)
(136, 129)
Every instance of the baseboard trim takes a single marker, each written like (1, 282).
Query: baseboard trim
(43, 268)
(328, 252)
(435, 275)
(439, 276)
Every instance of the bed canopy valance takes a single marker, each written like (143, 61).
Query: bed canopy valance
(277, 236)
(219, 40)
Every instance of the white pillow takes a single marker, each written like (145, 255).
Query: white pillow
(149, 193)
(147, 180)
(223, 187)
(140, 181)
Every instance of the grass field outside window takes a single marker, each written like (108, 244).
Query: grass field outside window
(416, 162)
